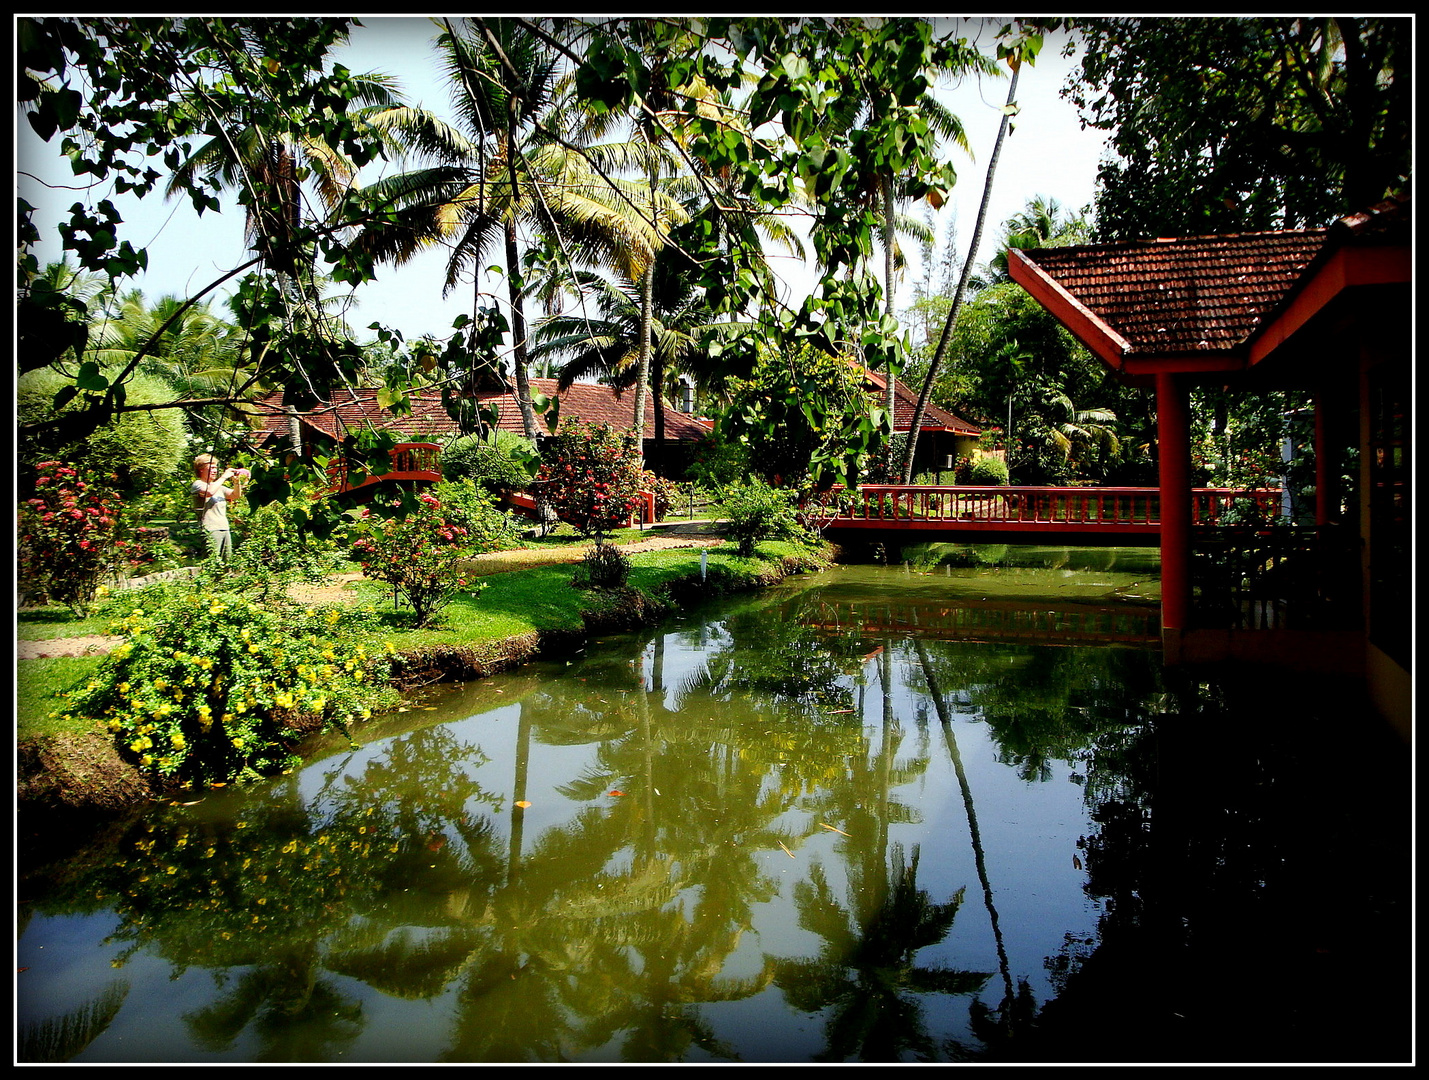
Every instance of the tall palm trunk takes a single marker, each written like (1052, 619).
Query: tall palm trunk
(647, 290)
(514, 285)
(947, 334)
(518, 335)
(889, 283)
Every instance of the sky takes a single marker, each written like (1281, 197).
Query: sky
(1047, 154)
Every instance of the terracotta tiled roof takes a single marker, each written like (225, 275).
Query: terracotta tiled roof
(352, 410)
(1212, 303)
(905, 403)
(1193, 294)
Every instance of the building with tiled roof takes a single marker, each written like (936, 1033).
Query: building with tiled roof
(941, 436)
(350, 411)
(1325, 310)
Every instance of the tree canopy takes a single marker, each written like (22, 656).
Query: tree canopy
(1230, 124)
(713, 129)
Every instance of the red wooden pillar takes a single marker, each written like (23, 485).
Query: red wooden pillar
(1326, 495)
(1173, 442)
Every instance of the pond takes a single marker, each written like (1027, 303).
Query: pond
(879, 814)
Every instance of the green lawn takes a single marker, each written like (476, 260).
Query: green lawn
(512, 604)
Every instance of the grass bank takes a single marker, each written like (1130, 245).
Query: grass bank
(519, 614)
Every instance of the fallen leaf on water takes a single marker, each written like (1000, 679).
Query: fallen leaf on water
(840, 712)
(1076, 863)
(832, 829)
(614, 791)
(786, 850)
(523, 804)
(217, 785)
(21, 969)
(875, 652)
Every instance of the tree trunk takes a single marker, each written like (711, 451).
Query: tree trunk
(946, 335)
(515, 285)
(518, 336)
(647, 289)
(890, 396)
(657, 382)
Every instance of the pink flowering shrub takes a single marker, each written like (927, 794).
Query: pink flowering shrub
(590, 473)
(415, 552)
(67, 536)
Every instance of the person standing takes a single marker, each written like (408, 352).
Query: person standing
(211, 498)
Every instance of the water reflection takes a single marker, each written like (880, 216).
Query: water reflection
(743, 838)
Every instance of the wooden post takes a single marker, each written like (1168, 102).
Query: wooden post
(1326, 495)
(1173, 442)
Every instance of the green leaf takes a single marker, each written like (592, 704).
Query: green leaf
(91, 379)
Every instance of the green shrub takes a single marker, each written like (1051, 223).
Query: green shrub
(718, 463)
(988, 471)
(487, 528)
(277, 552)
(803, 416)
(507, 463)
(212, 688)
(758, 512)
(139, 449)
(604, 566)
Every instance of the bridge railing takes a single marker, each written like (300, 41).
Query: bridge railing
(1055, 506)
(419, 461)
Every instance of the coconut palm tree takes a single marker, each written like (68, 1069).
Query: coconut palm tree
(269, 167)
(505, 177)
(191, 348)
(1042, 222)
(608, 344)
(881, 186)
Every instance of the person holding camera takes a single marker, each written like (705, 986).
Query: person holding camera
(211, 498)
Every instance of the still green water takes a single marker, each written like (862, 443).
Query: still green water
(915, 813)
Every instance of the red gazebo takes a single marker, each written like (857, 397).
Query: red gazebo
(1328, 310)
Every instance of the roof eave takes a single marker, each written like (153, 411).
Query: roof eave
(1080, 321)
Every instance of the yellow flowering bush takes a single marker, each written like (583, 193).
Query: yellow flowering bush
(215, 688)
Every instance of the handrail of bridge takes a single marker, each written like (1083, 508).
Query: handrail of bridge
(419, 461)
(1064, 507)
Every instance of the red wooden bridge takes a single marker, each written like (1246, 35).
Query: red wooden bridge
(1088, 514)
(412, 463)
